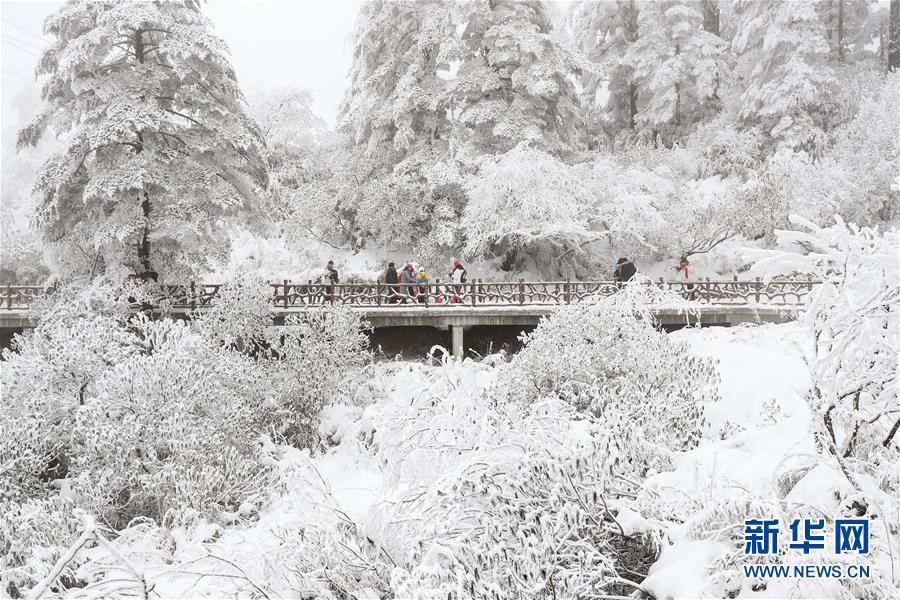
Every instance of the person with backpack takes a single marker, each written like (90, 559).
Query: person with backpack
(458, 277)
(422, 283)
(625, 271)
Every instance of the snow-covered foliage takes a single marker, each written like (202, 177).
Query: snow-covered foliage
(527, 200)
(128, 416)
(855, 335)
(514, 80)
(604, 361)
(397, 99)
(786, 43)
(679, 64)
(158, 149)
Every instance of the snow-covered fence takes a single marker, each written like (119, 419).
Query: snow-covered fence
(287, 295)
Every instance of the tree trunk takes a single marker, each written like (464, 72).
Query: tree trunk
(144, 245)
(711, 16)
(840, 30)
(630, 23)
(894, 36)
(632, 105)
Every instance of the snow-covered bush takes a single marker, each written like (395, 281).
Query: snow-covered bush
(617, 368)
(22, 261)
(535, 526)
(317, 357)
(170, 433)
(527, 201)
(500, 499)
(241, 312)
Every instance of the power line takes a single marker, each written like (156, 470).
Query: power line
(20, 28)
(22, 48)
(26, 42)
(22, 77)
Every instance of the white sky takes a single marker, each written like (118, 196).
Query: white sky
(296, 43)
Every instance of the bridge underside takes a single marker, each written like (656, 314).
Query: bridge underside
(458, 319)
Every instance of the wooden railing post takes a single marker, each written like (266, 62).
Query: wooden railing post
(286, 283)
(567, 291)
(9, 296)
(757, 287)
(193, 295)
(521, 291)
(472, 291)
(708, 289)
(378, 293)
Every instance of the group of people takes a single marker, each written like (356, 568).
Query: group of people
(411, 283)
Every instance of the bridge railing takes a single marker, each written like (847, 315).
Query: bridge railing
(287, 295)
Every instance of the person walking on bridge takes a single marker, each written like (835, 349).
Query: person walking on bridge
(331, 275)
(458, 277)
(391, 279)
(625, 271)
(407, 281)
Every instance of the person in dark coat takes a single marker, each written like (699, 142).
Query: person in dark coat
(625, 270)
(331, 275)
(390, 278)
(408, 281)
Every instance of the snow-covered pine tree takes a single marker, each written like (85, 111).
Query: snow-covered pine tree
(679, 64)
(604, 32)
(396, 97)
(783, 50)
(158, 148)
(514, 81)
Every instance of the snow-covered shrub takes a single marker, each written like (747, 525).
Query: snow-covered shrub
(615, 367)
(538, 526)
(726, 151)
(171, 432)
(241, 312)
(34, 534)
(317, 357)
(501, 499)
(22, 261)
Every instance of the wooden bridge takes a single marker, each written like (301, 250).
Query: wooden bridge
(520, 303)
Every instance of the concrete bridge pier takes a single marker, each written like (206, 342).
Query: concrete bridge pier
(457, 347)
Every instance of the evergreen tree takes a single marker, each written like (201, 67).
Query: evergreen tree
(397, 99)
(678, 63)
(514, 79)
(605, 32)
(157, 146)
(784, 47)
